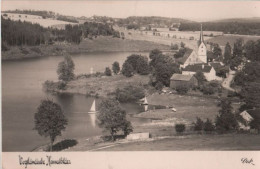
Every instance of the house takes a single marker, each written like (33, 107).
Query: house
(248, 116)
(208, 71)
(180, 79)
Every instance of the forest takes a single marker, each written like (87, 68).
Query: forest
(242, 28)
(17, 33)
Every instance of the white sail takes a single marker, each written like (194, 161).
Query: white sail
(93, 107)
(145, 101)
(145, 107)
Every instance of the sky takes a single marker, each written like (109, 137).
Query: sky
(197, 11)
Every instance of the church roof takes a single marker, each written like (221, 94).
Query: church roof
(201, 40)
(186, 55)
(181, 77)
(198, 67)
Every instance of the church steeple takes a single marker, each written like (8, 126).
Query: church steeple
(201, 35)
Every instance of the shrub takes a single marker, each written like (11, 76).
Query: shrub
(129, 94)
(208, 126)
(159, 86)
(36, 50)
(127, 128)
(208, 90)
(198, 126)
(127, 69)
(62, 85)
(115, 67)
(182, 89)
(108, 71)
(180, 128)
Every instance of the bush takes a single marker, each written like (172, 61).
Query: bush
(159, 86)
(115, 67)
(180, 128)
(208, 126)
(108, 71)
(208, 90)
(182, 89)
(128, 128)
(127, 69)
(198, 126)
(36, 50)
(129, 94)
(62, 85)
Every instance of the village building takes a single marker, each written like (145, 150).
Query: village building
(248, 116)
(208, 71)
(180, 80)
(195, 56)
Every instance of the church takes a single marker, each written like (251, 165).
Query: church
(197, 56)
(195, 60)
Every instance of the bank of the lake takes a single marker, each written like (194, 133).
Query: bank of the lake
(99, 44)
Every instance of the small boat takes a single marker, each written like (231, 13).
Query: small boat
(145, 101)
(93, 108)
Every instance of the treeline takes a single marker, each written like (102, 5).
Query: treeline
(252, 28)
(45, 14)
(136, 22)
(17, 33)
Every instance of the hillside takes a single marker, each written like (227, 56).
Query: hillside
(240, 20)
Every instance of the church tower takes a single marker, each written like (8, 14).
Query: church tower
(202, 50)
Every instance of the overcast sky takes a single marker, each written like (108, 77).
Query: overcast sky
(199, 11)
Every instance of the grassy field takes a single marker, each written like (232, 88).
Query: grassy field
(100, 44)
(104, 85)
(194, 142)
(222, 40)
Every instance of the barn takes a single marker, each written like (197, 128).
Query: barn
(180, 79)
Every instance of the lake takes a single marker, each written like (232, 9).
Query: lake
(22, 93)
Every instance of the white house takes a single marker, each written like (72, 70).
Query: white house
(208, 71)
(248, 116)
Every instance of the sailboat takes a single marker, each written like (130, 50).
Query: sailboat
(93, 108)
(145, 101)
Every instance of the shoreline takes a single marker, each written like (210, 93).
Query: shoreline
(100, 44)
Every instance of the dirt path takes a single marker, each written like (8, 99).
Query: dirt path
(227, 82)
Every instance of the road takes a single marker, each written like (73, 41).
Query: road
(227, 82)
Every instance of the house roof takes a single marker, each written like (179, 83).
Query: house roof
(181, 77)
(215, 65)
(185, 56)
(255, 113)
(198, 67)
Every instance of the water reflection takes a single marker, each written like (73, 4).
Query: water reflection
(93, 119)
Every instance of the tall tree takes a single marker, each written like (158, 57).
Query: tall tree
(50, 120)
(112, 117)
(66, 69)
(226, 120)
(227, 53)
(116, 67)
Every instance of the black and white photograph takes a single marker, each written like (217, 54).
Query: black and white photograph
(129, 77)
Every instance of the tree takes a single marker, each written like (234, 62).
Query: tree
(182, 45)
(50, 120)
(112, 117)
(127, 69)
(139, 64)
(200, 77)
(116, 67)
(226, 120)
(163, 67)
(180, 128)
(66, 69)
(217, 52)
(198, 126)
(129, 94)
(108, 71)
(208, 126)
(154, 53)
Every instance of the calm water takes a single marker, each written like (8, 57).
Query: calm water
(22, 93)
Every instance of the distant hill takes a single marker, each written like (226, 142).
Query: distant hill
(155, 21)
(45, 15)
(240, 20)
